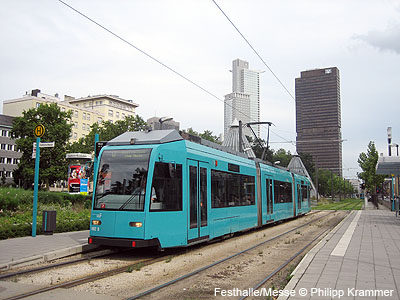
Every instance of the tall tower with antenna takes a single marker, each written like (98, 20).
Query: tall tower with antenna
(244, 101)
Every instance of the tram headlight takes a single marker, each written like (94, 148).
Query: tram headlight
(96, 222)
(136, 224)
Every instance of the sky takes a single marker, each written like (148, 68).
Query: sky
(46, 45)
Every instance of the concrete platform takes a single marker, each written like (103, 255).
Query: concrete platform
(359, 259)
(30, 250)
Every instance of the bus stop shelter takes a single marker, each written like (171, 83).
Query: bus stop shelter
(390, 166)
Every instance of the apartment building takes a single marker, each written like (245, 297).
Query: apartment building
(85, 111)
(9, 156)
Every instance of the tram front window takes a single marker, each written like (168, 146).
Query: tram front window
(121, 181)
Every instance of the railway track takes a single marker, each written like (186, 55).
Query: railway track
(88, 257)
(200, 270)
(285, 264)
(142, 263)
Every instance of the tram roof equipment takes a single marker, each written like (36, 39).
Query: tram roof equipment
(172, 135)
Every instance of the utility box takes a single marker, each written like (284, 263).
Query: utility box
(49, 222)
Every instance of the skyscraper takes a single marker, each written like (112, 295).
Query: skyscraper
(318, 117)
(244, 101)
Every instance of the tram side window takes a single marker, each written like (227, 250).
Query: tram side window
(304, 192)
(218, 183)
(230, 189)
(282, 192)
(167, 187)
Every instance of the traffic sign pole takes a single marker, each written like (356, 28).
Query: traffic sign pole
(35, 189)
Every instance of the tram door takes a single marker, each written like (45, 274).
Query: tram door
(197, 200)
(299, 197)
(269, 198)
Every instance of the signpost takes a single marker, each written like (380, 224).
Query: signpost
(39, 132)
(46, 145)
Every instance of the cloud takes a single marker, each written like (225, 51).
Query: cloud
(387, 40)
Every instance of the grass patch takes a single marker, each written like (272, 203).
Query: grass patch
(168, 260)
(345, 204)
(139, 266)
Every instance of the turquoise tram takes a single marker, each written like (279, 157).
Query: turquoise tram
(164, 189)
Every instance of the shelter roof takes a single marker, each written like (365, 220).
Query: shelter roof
(388, 165)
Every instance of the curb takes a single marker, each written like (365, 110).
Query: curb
(49, 256)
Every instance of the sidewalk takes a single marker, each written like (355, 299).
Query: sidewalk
(359, 259)
(29, 250)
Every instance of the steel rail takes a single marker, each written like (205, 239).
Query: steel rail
(55, 265)
(161, 286)
(90, 278)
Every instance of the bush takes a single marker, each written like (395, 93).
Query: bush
(20, 224)
(11, 198)
(76, 198)
(73, 211)
(51, 198)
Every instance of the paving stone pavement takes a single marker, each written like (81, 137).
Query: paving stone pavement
(369, 268)
(25, 250)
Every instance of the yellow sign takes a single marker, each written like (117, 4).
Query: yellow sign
(39, 130)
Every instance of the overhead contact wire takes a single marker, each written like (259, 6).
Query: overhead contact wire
(150, 56)
(255, 51)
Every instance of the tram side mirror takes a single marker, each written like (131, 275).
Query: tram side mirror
(172, 170)
(99, 145)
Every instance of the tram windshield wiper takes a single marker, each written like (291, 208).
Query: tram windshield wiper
(139, 192)
(103, 195)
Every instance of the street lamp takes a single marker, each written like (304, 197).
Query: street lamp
(163, 119)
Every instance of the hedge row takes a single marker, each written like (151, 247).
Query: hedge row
(25, 229)
(11, 198)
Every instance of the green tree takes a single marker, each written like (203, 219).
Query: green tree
(367, 162)
(258, 147)
(282, 156)
(107, 131)
(207, 135)
(53, 165)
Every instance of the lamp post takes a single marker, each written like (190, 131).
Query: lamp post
(163, 119)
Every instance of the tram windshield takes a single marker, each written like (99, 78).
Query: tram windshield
(121, 181)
